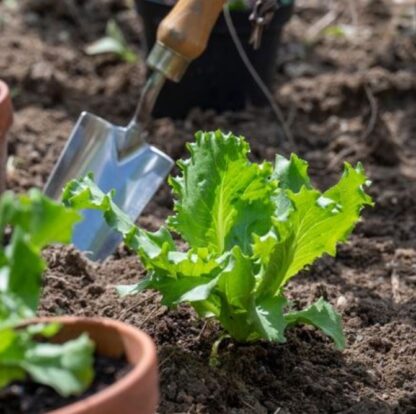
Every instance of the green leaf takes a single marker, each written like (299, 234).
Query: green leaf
(268, 318)
(7, 337)
(10, 374)
(320, 222)
(43, 220)
(113, 30)
(237, 280)
(322, 315)
(314, 227)
(184, 289)
(174, 264)
(104, 45)
(50, 222)
(114, 42)
(235, 321)
(292, 175)
(65, 367)
(208, 308)
(222, 198)
(12, 351)
(12, 310)
(182, 277)
(22, 276)
(46, 330)
(36, 221)
(134, 289)
(276, 253)
(85, 194)
(232, 298)
(193, 263)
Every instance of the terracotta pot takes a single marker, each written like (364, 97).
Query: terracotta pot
(135, 393)
(6, 117)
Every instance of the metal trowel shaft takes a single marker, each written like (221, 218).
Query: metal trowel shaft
(182, 36)
(135, 135)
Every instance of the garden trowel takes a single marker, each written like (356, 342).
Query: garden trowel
(119, 157)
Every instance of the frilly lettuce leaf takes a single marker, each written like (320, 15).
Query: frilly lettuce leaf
(222, 198)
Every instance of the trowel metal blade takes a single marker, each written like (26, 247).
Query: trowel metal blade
(92, 147)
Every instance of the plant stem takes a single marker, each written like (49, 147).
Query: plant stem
(213, 357)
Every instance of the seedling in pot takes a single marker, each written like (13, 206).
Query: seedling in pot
(35, 221)
(250, 228)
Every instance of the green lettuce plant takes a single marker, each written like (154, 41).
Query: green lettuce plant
(250, 228)
(29, 222)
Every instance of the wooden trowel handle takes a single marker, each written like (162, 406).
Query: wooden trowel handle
(183, 35)
(186, 29)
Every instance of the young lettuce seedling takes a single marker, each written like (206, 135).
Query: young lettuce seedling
(250, 228)
(35, 221)
(114, 42)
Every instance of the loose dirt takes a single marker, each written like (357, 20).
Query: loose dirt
(349, 96)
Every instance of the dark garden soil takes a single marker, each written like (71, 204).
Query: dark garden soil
(346, 97)
(32, 398)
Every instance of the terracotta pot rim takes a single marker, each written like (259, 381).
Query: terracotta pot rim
(4, 92)
(6, 109)
(139, 370)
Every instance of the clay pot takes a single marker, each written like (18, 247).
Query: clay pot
(135, 393)
(6, 117)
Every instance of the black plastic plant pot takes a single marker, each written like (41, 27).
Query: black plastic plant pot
(218, 79)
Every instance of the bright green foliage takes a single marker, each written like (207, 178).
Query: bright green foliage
(35, 221)
(250, 228)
